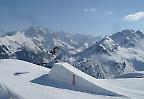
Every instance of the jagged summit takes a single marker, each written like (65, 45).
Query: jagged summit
(109, 44)
(37, 43)
(113, 55)
(36, 31)
(127, 38)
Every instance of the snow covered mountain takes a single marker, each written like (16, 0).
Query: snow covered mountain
(40, 46)
(112, 56)
(127, 38)
(71, 43)
(17, 45)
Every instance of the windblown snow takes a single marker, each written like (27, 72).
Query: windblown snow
(23, 80)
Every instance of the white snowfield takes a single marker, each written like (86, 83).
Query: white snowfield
(23, 80)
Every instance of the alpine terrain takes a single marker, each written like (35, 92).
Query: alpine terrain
(39, 64)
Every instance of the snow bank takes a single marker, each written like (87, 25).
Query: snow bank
(16, 80)
(6, 93)
(68, 75)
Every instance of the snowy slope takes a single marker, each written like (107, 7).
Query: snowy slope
(110, 57)
(69, 42)
(16, 41)
(37, 45)
(17, 45)
(6, 93)
(127, 38)
(16, 76)
(102, 60)
(63, 73)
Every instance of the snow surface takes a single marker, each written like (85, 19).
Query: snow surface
(113, 55)
(17, 41)
(25, 80)
(63, 73)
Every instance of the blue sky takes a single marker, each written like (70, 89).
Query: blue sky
(96, 17)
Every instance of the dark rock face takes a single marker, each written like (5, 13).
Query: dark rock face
(29, 56)
(3, 53)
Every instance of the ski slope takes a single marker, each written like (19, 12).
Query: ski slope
(23, 80)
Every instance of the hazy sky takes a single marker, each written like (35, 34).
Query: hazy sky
(96, 17)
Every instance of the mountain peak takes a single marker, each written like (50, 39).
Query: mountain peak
(107, 38)
(127, 30)
(127, 38)
(11, 33)
(108, 43)
(36, 31)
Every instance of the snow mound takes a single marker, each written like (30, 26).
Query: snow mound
(29, 81)
(68, 75)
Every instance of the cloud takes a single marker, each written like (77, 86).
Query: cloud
(95, 10)
(109, 12)
(135, 17)
(90, 10)
(86, 10)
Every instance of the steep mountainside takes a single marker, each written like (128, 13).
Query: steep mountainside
(111, 57)
(40, 46)
(127, 38)
(17, 45)
(71, 43)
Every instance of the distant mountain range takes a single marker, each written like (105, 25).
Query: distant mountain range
(37, 44)
(99, 57)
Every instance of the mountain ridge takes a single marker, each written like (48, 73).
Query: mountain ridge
(106, 58)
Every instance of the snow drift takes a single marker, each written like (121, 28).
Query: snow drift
(6, 93)
(68, 75)
(29, 81)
